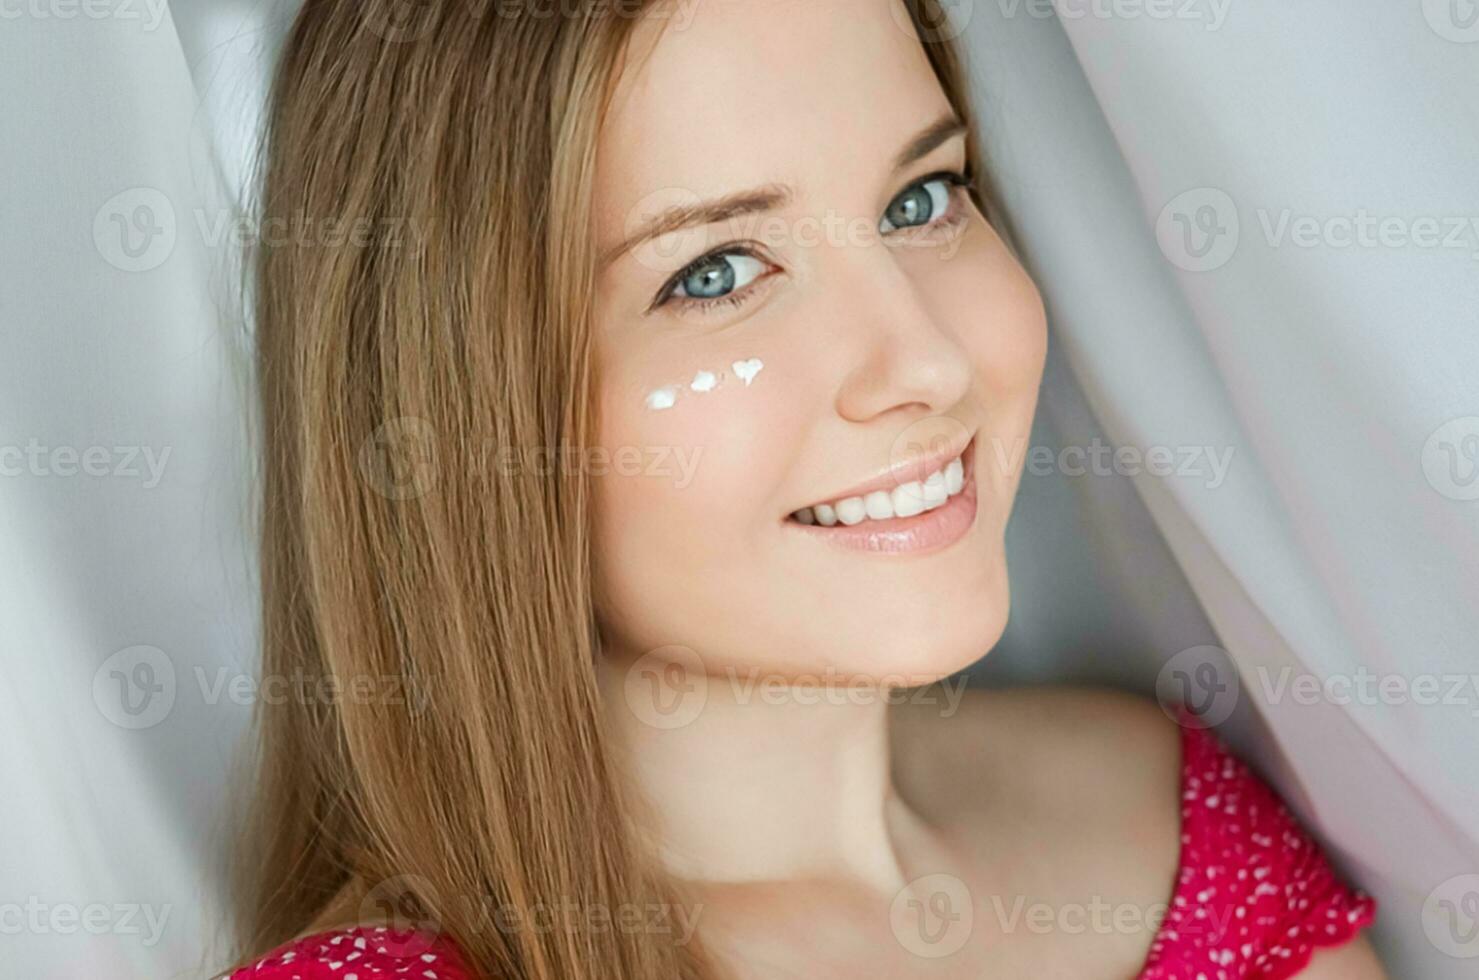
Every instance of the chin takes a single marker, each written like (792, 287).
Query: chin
(927, 642)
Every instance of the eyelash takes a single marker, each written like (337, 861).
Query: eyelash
(960, 184)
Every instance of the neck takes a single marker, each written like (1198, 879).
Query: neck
(763, 783)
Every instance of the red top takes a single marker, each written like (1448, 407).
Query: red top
(1254, 895)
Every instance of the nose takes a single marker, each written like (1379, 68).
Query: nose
(905, 361)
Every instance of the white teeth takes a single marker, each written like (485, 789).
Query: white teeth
(851, 511)
(954, 476)
(906, 500)
(935, 491)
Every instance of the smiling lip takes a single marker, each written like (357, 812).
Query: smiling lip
(933, 530)
(907, 472)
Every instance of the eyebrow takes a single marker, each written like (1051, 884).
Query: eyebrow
(770, 196)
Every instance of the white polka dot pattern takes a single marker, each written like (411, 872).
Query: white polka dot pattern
(1254, 895)
(360, 953)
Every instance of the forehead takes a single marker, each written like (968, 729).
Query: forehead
(724, 95)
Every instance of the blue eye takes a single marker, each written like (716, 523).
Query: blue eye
(716, 276)
(919, 205)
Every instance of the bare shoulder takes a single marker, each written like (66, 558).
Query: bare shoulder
(1095, 770)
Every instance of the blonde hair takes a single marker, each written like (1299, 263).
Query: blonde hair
(394, 374)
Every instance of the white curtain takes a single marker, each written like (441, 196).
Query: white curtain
(1256, 226)
(126, 592)
(1242, 216)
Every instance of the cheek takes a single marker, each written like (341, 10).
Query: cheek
(1014, 357)
(1006, 336)
(686, 515)
(1001, 327)
(1008, 349)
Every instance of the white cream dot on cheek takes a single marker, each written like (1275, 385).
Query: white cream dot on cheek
(662, 398)
(746, 370)
(703, 381)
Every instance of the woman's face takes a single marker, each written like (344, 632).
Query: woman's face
(849, 314)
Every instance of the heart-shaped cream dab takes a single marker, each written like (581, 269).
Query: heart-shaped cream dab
(746, 370)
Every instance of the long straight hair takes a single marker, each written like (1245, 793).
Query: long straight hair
(430, 330)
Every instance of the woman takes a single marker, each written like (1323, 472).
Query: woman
(663, 459)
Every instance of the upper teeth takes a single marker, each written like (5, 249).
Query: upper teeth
(905, 500)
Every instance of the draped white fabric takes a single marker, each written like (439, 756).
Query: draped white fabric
(1256, 226)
